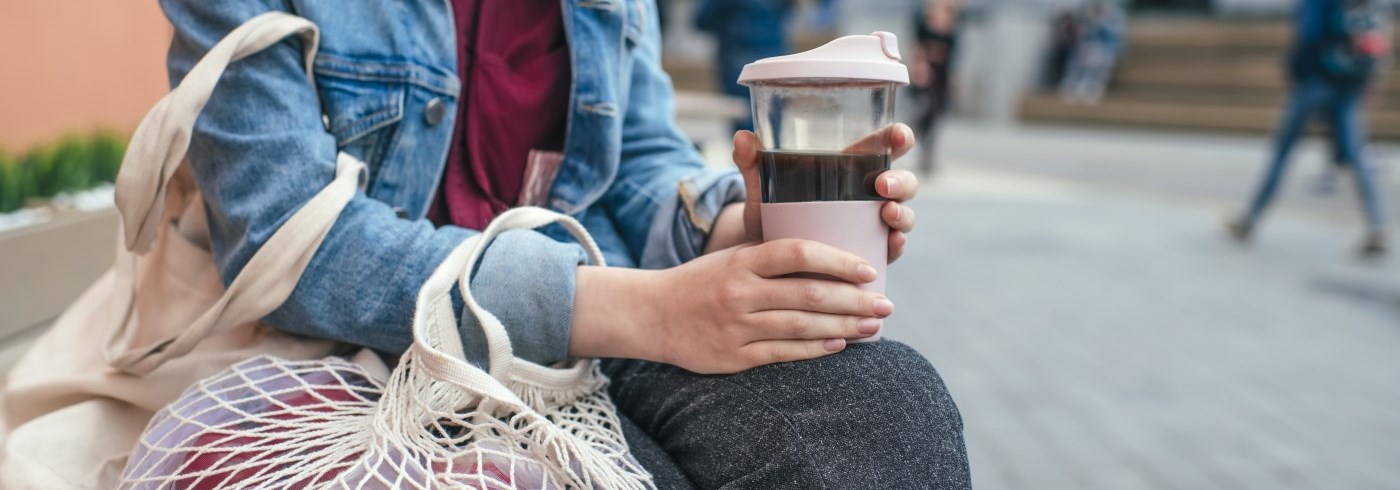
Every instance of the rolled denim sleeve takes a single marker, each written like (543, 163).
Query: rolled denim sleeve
(259, 151)
(664, 200)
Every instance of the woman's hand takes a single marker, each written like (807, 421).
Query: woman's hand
(741, 223)
(729, 311)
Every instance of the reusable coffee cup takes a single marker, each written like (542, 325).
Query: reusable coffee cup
(821, 118)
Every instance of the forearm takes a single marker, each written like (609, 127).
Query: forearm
(728, 229)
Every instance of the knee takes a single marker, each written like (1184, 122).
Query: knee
(879, 406)
(899, 382)
(885, 387)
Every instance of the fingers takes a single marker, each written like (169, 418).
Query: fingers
(775, 351)
(897, 185)
(897, 138)
(898, 216)
(901, 140)
(789, 325)
(820, 296)
(746, 158)
(745, 149)
(896, 247)
(792, 256)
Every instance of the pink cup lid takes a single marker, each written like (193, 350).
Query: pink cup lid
(873, 57)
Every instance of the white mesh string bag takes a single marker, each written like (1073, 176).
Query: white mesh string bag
(439, 422)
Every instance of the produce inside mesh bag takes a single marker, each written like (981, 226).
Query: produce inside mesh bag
(254, 425)
(267, 423)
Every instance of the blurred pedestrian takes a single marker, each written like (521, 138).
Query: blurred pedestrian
(746, 31)
(1339, 48)
(1100, 28)
(937, 27)
(1064, 37)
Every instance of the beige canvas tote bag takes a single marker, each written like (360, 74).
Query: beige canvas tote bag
(161, 318)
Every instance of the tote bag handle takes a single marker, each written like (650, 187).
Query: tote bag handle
(158, 150)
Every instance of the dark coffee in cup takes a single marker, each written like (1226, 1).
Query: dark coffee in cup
(807, 176)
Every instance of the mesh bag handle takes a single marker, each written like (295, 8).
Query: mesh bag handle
(435, 336)
(437, 408)
(157, 152)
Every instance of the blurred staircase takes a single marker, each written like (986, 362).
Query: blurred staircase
(1201, 74)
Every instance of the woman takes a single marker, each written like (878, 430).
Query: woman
(464, 108)
(937, 25)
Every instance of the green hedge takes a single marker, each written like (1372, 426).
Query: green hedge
(73, 163)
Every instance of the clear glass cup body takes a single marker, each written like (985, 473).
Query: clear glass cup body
(822, 139)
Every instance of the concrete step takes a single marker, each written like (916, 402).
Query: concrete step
(1227, 97)
(1248, 97)
(1216, 75)
(1176, 114)
(1209, 33)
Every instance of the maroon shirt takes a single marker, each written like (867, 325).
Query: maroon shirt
(513, 60)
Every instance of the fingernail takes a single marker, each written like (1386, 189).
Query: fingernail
(891, 185)
(883, 307)
(898, 210)
(834, 345)
(867, 273)
(868, 326)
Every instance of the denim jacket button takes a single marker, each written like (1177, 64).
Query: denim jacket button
(434, 112)
(401, 212)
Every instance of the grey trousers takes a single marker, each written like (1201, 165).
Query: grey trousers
(876, 415)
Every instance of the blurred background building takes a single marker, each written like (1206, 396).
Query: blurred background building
(1069, 277)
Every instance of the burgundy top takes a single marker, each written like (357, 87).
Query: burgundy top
(513, 60)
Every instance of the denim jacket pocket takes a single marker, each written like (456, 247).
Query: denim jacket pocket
(361, 114)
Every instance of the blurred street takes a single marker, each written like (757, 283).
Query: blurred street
(1098, 330)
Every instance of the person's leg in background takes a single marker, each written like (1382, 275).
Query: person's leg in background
(876, 415)
(934, 103)
(1303, 100)
(1099, 68)
(1326, 182)
(1075, 73)
(1345, 113)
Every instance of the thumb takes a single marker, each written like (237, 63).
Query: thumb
(746, 158)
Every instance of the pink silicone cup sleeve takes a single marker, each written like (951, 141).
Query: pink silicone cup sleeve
(853, 226)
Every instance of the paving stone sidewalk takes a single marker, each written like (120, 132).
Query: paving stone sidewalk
(1100, 336)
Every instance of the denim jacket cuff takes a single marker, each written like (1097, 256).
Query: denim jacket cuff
(527, 280)
(681, 226)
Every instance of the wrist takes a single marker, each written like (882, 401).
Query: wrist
(611, 313)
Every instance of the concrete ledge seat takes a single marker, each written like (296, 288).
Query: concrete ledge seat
(1203, 74)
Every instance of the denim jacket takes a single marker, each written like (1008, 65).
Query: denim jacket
(386, 91)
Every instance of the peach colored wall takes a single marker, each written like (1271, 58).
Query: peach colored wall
(78, 65)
